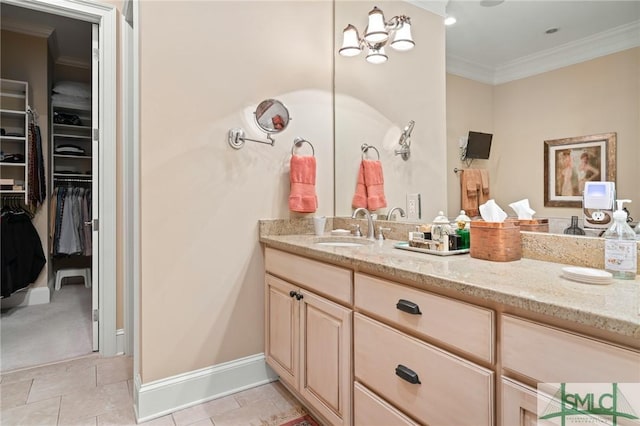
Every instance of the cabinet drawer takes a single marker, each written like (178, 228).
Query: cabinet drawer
(328, 280)
(546, 354)
(461, 325)
(451, 391)
(370, 410)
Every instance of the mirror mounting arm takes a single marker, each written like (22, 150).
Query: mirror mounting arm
(405, 141)
(237, 139)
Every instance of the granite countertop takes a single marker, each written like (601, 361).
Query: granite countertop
(533, 285)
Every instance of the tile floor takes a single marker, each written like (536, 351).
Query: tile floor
(98, 391)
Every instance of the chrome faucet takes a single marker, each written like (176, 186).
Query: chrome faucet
(390, 214)
(370, 232)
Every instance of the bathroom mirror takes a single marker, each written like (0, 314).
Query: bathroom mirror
(272, 116)
(372, 105)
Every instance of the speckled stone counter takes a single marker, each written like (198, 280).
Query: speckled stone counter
(532, 285)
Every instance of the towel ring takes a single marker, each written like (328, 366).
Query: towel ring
(297, 143)
(365, 147)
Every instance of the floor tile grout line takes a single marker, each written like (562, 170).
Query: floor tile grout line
(59, 409)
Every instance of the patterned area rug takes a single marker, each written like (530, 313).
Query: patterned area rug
(301, 421)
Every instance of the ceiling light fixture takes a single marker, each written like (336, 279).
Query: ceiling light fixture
(450, 20)
(376, 36)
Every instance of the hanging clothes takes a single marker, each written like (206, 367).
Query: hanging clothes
(22, 256)
(71, 235)
(36, 176)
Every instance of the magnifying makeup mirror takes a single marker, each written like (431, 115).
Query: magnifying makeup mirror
(271, 117)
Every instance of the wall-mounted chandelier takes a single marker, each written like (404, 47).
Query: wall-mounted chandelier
(376, 36)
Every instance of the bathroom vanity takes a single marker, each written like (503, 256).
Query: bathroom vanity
(372, 335)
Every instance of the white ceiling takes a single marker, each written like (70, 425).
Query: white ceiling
(508, 41)
(69, 39)
(489, 44)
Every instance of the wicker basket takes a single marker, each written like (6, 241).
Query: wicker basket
(497, 241)
(534, 225)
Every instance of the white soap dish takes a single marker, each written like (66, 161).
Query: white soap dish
(587, 275)
(340, 232)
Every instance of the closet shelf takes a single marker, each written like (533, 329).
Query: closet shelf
(81, 175)
(13, 164)
(13, 138)
(12, 191)
(60, 135)
(81, 157)
(71, 126)
(13, 112)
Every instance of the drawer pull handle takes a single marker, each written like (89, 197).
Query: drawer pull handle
(292, 293)
(408, 307)
(407, 374)
(299, 296)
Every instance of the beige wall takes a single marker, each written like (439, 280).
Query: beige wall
(375, 102)
(598, 96)
(24, 58)
(204, 66)
(469, 107)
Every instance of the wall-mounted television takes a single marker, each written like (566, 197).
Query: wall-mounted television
(478, 145)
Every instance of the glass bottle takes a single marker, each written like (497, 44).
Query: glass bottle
(462, 222)
(574, 229)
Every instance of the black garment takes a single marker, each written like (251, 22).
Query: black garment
(22, 257)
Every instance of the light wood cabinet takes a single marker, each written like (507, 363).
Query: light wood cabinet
(550, 355)
(434, 386)
(308, 337)
(546, 354)
(415, 357)
(519, 404)
(456, 324)
(371, 410)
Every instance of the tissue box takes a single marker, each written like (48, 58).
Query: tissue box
(496, 241)
(534, 225)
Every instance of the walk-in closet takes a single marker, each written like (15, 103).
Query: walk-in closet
(48, 167)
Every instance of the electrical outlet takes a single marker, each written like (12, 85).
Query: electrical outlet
(413, 207)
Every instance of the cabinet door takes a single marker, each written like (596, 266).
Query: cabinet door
(282, 328)
(371, 410)
(325, 357)
(427, 383)
(519, 404)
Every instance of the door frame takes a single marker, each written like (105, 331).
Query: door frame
(106, 17)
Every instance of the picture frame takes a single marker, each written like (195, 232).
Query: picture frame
(570, 162)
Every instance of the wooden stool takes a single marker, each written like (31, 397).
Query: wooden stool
(73, 272)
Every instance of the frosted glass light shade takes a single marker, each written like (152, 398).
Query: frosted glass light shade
(350, 42)
(376, 31)
(377, 56)
(402, 40)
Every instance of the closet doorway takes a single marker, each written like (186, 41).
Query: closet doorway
(92, 170)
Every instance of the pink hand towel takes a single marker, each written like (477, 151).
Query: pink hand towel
(375, 184)
(303, 198)
(360, 197)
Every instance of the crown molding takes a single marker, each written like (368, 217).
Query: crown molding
(72, 62)
(27, 28)
(469, 69)
(605, 43)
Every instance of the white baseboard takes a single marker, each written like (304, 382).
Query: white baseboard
(120, 341)
(161, 397)
(32, 296)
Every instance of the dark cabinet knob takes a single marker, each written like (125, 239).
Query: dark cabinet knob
(408, 307)
(292, 293)
(299, 296)
(405, 373)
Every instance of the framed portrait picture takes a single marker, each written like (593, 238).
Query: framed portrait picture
(570, 162)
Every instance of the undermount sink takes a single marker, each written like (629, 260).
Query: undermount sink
(342, 241)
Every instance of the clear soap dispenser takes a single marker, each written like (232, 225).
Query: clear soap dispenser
(620, 246)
